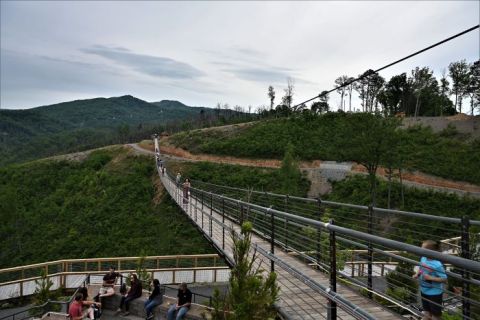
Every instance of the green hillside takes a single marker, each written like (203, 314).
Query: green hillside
(336, 136)
(104, 206)
(85, 124)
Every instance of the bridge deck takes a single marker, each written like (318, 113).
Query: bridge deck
(297, 299)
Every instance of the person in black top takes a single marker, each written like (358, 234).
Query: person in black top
(184, 300)
(155, 298)
(108, 284)
(134, 293)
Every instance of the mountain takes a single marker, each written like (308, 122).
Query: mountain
(83, 124)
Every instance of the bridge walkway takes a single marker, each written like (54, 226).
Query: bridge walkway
(299, 297)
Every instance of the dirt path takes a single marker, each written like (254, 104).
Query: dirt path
(318, 171)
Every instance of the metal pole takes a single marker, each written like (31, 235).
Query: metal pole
(319, 234)
(286, 223)
(211, 212)
(370, 253)
(223, 225)
(333, 273)
(241, 213)
(465, 244)
(272, 238)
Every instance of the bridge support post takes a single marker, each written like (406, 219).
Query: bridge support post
(465, 245)
(272, 237)
(195, 208)
(370, 253)
(332, 305)
(211, 212)
(223, 221)
(286, 224)
(319, 234)
(203, 193)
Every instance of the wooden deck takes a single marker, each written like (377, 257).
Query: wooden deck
(297, 299)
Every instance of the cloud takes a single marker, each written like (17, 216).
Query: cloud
(260, 74)
(150, 65)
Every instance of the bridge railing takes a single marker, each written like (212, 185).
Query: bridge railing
(305, 235)
(457, 236)
(405, 226)
(69, 273)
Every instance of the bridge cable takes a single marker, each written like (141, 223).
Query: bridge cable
(370, 72)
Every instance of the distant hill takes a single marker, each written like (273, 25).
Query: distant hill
(83, 124)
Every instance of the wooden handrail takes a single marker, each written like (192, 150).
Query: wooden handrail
(61, 274)
(111, 259)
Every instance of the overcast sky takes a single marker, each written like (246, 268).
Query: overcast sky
(201, 53)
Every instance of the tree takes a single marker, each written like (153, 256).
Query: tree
(289, 173)
(361, 86)
(43, 287)
(143, 275)
(252, 294)
(350, 88)
(393, 96)
(458, 71)
(368, 139)
(422, 80)
(473, 87)
(444, 91)
(341, 88)
(271, 95)
(375, 84)
(287, 99)
(321, 106)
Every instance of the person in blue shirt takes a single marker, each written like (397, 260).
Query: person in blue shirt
(432, 276)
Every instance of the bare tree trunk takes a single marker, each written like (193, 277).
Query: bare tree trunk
(417, 106)
(456, 100)
(350, 102)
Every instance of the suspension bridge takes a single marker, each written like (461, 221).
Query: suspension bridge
(311, 257)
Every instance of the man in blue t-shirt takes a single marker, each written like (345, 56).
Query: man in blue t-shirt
(432, 278)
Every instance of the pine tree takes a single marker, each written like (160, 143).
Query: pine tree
(252, 294)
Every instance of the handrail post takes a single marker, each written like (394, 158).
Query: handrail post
(286, 223)
(203, 193)
(223, 223)
(211, 212)
(272, 237)
(241, 213)
(465, 244)
(333, 274)
(195, 207)
(370, 253)
(319, 233)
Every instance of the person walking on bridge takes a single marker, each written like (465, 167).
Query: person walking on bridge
(432, 277)
(186, 190)
(178, 179)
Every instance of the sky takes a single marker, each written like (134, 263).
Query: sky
(204, 53)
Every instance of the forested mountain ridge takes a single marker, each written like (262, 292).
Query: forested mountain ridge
(85, 124)
(92, 113)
